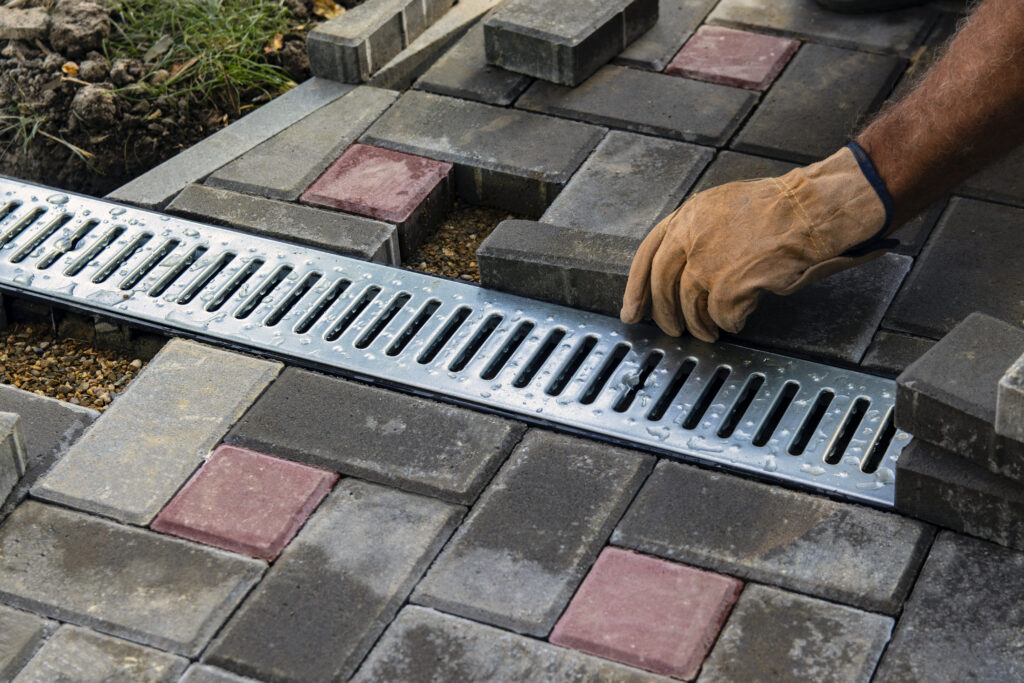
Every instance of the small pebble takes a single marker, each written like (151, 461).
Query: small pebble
(451, 250)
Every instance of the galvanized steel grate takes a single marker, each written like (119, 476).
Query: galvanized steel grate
(807, 423)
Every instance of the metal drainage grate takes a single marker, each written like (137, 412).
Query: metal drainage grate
(806, 423)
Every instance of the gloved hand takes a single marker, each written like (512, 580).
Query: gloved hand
(708, 262)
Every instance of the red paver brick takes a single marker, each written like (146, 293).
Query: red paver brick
(647, 612)
(246, 502)
(731, 57)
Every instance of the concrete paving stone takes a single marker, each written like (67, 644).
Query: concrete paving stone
(646, 612)
(739, 58)
(285, 165)
(898, 31)
(412, 443)
(78, 654)
(677, 19)
(628, 184)
(576, 268)
(948, 397)
(137, 455)
(12, 453)
(939, 487)
(969, 264)
(835, 318)
(201, 673)
(964, 620)
(463, 72)
(155, 188)
(337, 586)
(121, 580)
(24, 24)
(21, 634)
(564, 43)
(413, 192)
(332, 231)
(891, 352)
(841, 552)
(245, 501)
(925, 56)
(1010, 402)
(774, 635)
(1002, 181)
(534, 533)
(422, 645)
(509, 159)
(678, 108)
(816, 105)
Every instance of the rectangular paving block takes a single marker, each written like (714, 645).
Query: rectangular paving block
(332, 231)
(891, 352)
(534, 533)
(144, 447)
(678, 108)
(124, 581)
(12, 453)
(796, 638)
(21, 634)
(815, 106)
(285, 165)
(508, 159)
(739, 58)
(158, 186)
(337, 586)
(677, 19)
(564, 42)
(964, 619)
(1001, 181)
(412, 443)
(201, 673)
(840, 552)
(628, 184)
(1010, 402)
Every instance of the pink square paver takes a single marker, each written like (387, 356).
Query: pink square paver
(730, 57)
(647, 612)
(245, 502)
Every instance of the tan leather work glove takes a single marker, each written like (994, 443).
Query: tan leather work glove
(707, 263)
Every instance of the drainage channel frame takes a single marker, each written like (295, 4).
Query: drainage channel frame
(620, 374)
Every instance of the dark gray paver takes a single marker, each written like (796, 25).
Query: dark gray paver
(157, 187)
(148, 442)
(285, 165)
(677, 19)
(815, 106)
(335, 588)
(963, 621)
(78, 654)
(463, 72)
(628, 184)
(201, 673)
(900, 31)
(1010, 402)
(422, 645)
(128, 582)
(840, 552)
(12, 453)
(509, 159)
(21, 634)
(925, 56)
(573, 267)
(971, 263)
(334, 231)
(645, 102)
(775, 635)
(534, 533)
(412, 443)
(1002, 181)
(891, 352)
(835, 318)
(948, 396)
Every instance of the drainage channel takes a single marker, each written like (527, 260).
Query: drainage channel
(808, 424)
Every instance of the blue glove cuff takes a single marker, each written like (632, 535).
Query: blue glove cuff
(868, 169)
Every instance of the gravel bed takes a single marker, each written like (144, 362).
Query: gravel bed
(451, 250)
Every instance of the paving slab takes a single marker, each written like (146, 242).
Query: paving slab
(677, 19)
(121, 580)
(775, 635)
(628, 184)
(534, 533)
(967, 265)
(336, 587)
(201, 673)
(283, 166)
(891, 352)
(78, 654)
(151, 439)
(964, 618)
(12, 453)
(717, 54)
(21, 634)
(415, 444)
(155, 188)
(509, 159)
(422, 645)
(646, 612)
(816, 105)
(840, 552)
(1002, 181)
(1010, 402)
(678, 108)
(340, 233)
